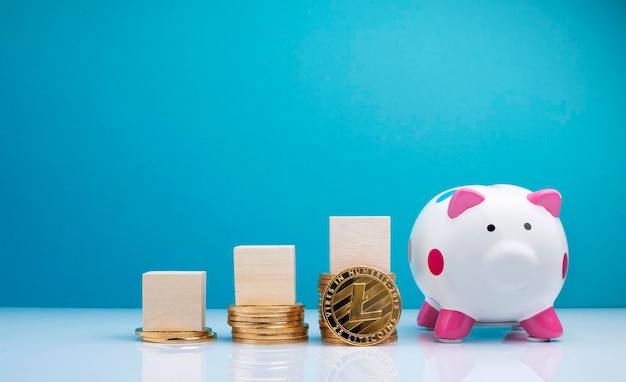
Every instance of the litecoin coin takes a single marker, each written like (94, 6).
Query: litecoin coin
(361, 306)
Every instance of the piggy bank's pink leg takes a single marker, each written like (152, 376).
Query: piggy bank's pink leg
(543, 326)
(427, 317)
(453, 326)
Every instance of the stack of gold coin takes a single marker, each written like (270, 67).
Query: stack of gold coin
(176, 337)
(268, 324)
(329, 336)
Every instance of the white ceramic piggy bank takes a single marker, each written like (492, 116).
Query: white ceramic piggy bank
(489, 254)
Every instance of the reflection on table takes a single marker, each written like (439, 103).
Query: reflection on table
(358, 364)
(515, 359)
(163, 362)
(267, 362)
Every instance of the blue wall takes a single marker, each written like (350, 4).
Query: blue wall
(148, 135)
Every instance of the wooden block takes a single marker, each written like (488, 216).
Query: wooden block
(265, 275)
(174, 300)
(360, 240)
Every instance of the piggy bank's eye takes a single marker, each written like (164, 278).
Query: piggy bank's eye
(491, 228)
(527, 226)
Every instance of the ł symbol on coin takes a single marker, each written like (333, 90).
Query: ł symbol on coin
(358, 299)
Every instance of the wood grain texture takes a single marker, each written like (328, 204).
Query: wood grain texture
(360, 240)
(265, 275)
(174, 300)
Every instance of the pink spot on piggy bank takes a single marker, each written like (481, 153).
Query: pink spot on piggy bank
(506, 258)
(435, 262)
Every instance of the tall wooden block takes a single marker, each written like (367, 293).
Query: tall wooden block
(265, 274)
(360, 240)
(174, 300)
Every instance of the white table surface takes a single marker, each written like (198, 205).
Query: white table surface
(100, 345)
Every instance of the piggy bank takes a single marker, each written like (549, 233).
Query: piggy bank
(489, 255)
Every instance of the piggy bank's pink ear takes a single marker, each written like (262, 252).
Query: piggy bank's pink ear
(549, 199)
(463, 199)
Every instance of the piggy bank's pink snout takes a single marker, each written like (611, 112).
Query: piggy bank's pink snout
(511, 265)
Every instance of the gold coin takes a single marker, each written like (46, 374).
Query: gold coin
(176, 337)
(331, 337)
(293, 330)
(266, 313)
(173, 333)
(326, 277)
(267, 318)
(326, 332)
(267, 337)
(271, 342)
(270, 336)
(269, 326)
(266, 309)
(335, 341)
(362, 306)
(266, 325)
(188, 340)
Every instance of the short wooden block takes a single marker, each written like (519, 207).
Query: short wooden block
(174, 300)
(360, 240)
(265, 274)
